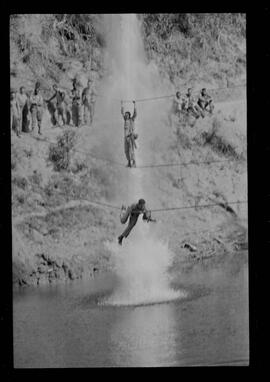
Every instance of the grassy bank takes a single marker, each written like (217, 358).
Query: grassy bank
(196, 48)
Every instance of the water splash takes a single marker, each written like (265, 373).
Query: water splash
(141, 266)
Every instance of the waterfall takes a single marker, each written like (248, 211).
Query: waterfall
(141, 263)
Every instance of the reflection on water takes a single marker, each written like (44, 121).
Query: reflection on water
(145, 336)
(65, 327)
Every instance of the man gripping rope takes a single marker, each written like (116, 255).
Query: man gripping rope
(133, 212)
(129, 135)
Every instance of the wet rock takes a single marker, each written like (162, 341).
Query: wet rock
(58, 263)
(189, 246)
(42, 280)
(43, 258)
(65, 267)
(71, 274)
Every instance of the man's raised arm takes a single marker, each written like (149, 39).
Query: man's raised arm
(122, 109)
(135, 111)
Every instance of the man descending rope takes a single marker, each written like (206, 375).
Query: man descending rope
(205, 101)
(133, 212)
(130, 135)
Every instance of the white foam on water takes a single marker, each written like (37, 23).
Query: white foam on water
(141, 266)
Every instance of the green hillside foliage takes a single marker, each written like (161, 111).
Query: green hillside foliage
(42, 46)
(204, 46)
(209, 47)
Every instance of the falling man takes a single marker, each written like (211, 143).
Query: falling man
(133, 213)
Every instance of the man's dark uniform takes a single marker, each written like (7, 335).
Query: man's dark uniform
(133, 212)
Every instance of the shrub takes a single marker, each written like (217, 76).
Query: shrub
(36, 178)
(78, 166)
(59, 153)
(20, 182)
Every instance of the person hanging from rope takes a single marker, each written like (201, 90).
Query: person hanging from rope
(133, 212)
(129, 135)
(205, 101)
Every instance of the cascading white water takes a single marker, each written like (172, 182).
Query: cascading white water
(142, 263)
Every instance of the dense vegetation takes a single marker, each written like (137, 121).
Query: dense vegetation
(47, 47)
(185, 46)
(208, 46)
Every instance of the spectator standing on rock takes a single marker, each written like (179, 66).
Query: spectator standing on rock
(36, 108)
(28, 125)
(76, 104)
(15, 113)
(22, 101)
(205, 101)
(89, 99)
(68, 108)
(60, 111)
(133, 212)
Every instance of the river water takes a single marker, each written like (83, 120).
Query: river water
(65, 325)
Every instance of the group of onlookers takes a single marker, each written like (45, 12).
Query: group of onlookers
(26, 110)
(188, 104)
(73, 108)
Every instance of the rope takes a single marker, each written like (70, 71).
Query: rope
(168, 96)
(107, 205)
(196, 206)
(102, 204)
(44, 139)
(189, 163)
(150, 99)
(172, 95)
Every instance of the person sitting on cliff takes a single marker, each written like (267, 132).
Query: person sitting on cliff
(129, 135)
(205, 101)
(192, 107)
(133, 212)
